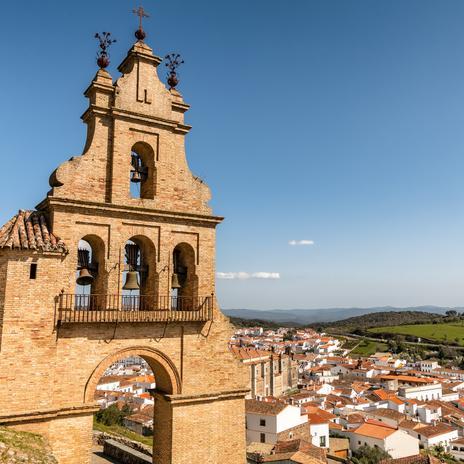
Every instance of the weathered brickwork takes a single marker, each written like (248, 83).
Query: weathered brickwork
(48, 370)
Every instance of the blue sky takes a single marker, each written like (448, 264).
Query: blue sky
(334, 121)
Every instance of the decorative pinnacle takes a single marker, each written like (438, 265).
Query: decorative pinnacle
(141, 13)
(174, 60)
(103, 57)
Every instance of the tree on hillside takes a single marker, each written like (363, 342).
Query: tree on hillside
(451, 313)
(369, 455)
(439, 452)
(289, 335)
(446, 352)
(112, 415)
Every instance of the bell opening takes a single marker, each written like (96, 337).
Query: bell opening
(86, 268)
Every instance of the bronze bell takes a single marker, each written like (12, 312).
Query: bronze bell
(136, 177)
(85, 277)
(175, 281)
(132, 282)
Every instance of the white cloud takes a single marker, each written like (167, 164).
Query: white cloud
(265, 275)
(301, 242)
(247, 275)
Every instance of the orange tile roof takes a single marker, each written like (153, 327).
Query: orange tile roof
(374, 431)
(314, 418)
(406, 378)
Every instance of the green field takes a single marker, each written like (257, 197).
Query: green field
(439, 332)
(368, 347)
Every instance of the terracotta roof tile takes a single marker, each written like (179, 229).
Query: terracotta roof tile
(374, 430)
(417, 459)
(388, 413)
(28, 230)
(264, 407)
(435, 430)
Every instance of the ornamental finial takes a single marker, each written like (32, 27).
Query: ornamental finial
(174, 60)
(103, 57)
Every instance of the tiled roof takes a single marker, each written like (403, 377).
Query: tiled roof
(264, 407)
(326, 416)
(407, 378)
(382, 394)
(298, 458)
(292, 446)
(409, 424)
(28, 230)
(355, 418)
(249, 353)
(374, 431)
(417, 459)
(435, 430)
(387, 413)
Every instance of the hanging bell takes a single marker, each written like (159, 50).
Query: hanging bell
(175, 281)
(132, 282)
(136, 177)
(85, 277)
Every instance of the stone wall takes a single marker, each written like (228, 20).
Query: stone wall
(124, 454)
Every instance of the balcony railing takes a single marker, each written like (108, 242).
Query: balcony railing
(71, 308)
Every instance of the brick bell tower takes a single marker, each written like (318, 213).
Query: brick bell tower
(130, 221)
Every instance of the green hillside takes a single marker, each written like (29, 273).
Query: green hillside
(381, 319)
(445, 332)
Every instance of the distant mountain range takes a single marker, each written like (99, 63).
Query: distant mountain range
(310, 316)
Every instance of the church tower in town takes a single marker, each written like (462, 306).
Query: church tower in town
(119, 260)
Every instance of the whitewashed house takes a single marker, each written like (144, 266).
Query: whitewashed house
(428, 413)
(318, 430)
(433, 435)
(430, 391)
(428, 366)
(265, 421)
(457, 449)
(397, 443)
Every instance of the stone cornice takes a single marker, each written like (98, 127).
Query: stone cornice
(47, 414)
(128, 211)
(109, 89)
(180, 400)
(180, 106)
(140, 117)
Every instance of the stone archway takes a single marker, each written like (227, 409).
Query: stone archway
(168, 382)
(166, 375)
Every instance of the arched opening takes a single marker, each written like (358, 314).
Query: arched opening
(184, 279)
(125, 386)
(142, 178)
(90, 272)
(140, 276)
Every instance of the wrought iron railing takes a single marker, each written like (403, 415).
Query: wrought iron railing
(132, 308)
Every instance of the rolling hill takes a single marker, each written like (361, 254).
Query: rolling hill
(312, 316)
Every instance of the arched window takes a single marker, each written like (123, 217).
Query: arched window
(140, 278)
(90, 278)
(184, 279)
(142, 171)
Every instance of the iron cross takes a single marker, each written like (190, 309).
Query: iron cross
(141, 13)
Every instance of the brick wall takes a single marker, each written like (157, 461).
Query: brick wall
(48, 372)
